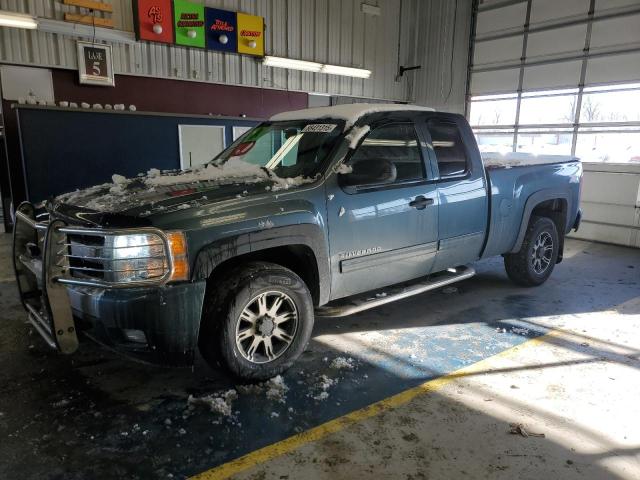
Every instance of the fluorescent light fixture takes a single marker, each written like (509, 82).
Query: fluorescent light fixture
(293, 64)
(346, 71)
(17, 20)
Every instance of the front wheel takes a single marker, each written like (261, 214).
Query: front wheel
(259, 323)
(534, 262)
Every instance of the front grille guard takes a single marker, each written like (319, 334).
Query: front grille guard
(41, 264)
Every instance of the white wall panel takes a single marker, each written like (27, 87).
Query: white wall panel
(616, 68)
(511, 16)
(556, 41)
(554, 75)
(496, 51)
(611, 204)
(616, 31)
(608, 4)
(544, 10)
(497, 81)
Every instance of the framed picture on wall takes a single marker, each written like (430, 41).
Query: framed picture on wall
(95, 64)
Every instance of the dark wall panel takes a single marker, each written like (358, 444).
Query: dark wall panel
(65, 149)
(177, 96)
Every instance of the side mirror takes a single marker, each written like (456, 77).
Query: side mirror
(370, 172)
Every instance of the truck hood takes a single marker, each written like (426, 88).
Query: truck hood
(159, 192)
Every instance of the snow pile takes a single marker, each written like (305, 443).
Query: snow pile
(220, 403)
(350, 113)
(274, 389)
(344, 169)
(322, 386)
(130, 192)
(355, 135)
(234, 168)
(519, 159)
(342, 363)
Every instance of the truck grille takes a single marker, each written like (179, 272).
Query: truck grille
(102, 257)
(85, 254)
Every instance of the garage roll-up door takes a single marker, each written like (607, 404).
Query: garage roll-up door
(529, 34)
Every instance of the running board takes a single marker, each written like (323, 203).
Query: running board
(359, 303)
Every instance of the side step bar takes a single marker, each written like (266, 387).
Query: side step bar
(359, 303)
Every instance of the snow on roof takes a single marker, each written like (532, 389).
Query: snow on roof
(518, 159)
(349, 112)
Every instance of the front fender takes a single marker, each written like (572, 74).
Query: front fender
(310, 235)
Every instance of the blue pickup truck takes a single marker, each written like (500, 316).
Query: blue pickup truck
(318, 212)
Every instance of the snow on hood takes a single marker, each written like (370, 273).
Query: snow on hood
(519, 159)
(350, 113)
(156, 188)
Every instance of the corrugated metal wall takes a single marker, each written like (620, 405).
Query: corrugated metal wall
(328, 31)
(442, 48)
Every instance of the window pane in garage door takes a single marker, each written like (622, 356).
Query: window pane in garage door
(609, 147)
(493, 112)
(548, 110)
(545, 142)
(495, 141)
(621, 106)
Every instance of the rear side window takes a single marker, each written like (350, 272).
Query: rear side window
(449, 149)
(398, 144)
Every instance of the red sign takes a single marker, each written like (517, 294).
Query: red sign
(155, 20)
(242, 149)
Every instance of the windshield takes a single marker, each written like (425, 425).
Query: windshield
(288, 149)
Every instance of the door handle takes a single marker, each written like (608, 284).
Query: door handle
(421, 202)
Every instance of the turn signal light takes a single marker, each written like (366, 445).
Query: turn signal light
(178, 252)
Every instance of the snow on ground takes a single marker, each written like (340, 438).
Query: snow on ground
(349, 113)
(321, 386)
(342, 363)
(217, 403)
(518, 159)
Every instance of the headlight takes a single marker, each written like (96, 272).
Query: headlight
(144, 256)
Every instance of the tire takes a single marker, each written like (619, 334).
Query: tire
(240, 322)
(534, 262)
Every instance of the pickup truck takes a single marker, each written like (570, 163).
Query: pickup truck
(318, 212)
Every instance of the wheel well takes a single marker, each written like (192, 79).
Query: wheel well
(297, 258)
(556, 210)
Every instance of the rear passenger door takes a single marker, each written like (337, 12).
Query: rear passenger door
(462, 214)
(383, 234)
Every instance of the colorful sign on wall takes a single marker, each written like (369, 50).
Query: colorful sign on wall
(193, 25)
(222, 30)
(155, 20)
(189, 23)
(250, 34)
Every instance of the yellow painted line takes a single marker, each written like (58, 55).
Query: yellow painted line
(287, 445)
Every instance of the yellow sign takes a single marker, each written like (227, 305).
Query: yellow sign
(250, 34)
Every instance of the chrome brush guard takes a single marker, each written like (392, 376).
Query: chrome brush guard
(39, 262)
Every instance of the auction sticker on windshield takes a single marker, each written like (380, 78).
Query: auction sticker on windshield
(319, 128)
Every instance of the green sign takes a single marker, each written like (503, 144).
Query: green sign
(189, 23)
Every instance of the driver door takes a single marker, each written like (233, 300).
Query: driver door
(386, 233)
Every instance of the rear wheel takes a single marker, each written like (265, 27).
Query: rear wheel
(534, 262)
(257, 322)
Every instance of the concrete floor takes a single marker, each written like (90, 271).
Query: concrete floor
(562, 359)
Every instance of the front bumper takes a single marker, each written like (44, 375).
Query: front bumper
(157, 325)
(150, 320)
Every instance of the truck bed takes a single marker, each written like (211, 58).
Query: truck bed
(514, 181)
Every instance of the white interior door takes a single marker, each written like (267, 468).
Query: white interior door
(199, 144)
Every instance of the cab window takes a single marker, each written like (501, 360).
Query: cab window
(451, 153)
(398, 145)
